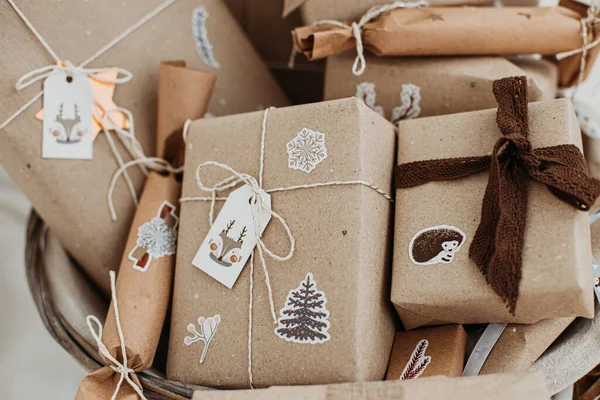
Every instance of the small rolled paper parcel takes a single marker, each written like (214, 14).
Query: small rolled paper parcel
(143, 288)
(461, 31)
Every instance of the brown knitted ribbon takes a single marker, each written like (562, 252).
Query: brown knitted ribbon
(497, 246)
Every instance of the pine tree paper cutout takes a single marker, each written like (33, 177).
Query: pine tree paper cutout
(304, 318)
(417, 363)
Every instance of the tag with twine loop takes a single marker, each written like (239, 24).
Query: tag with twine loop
(497, 247)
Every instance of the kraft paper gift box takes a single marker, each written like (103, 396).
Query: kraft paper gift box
(407, 88)
(71, 195)
(341, 250)
(428, 352)
(448, 287)
(490, 387)
(350, 10)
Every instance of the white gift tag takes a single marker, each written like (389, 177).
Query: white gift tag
(596, 268)
(68, 102)
(232, 238)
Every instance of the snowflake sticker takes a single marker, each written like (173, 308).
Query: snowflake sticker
(306, 150)
(304, 318)
(156, 238)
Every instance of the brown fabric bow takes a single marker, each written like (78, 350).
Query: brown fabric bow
(497, 246)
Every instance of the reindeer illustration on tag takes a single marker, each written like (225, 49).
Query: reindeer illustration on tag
(225, 250)
(68, 130)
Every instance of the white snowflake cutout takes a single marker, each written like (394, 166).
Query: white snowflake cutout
(156, 238)
(410, 108)
(306, 150)
(366, 92)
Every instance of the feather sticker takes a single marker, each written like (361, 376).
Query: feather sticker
(203, 45)
(417, 363)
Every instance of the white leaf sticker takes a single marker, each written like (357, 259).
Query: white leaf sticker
(67, 128)
(203, 44)
(417, 363)
(232, 238)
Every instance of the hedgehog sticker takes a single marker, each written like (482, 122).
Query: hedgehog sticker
(435, 245)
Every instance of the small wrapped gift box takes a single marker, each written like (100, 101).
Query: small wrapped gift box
(328, 169)
(428, 352)
(406, 88)
(465, 218)
(70, 195)
(490, 387)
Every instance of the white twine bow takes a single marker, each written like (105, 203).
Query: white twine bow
(358, 68)
(587, 25)
(120, 368)
(259, 206)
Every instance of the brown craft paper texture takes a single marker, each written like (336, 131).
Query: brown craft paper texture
(439, 31)
(71, 195)
(445, 346)
(350, 10)
(341, 237)
(183, 93)
(446, 85)
(520, 346)
(556, 276)
(490, 387)
(143, 298)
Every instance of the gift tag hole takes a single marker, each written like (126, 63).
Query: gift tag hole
(69, 78)
(250, 200)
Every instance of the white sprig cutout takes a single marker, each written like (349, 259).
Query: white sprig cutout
(208, 328)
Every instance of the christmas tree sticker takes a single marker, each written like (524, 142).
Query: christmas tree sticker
(304, 318)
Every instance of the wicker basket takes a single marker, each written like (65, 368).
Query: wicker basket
(155, 387)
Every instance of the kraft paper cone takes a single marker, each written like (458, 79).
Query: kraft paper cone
(443, 31)
(183, 93)
(142, 295)
(490, 387)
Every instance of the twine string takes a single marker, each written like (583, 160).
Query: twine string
(132, 144)
(259, 206)
(358, 68)
(120, 368)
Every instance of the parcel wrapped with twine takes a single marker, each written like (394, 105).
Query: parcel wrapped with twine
(411, 29)
(294, 305)
(455, 264)
(71, 195)
(142, 292)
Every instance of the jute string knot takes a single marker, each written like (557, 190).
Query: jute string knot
(358, 68)
(258, 208)
(497, 245)
(127, 374)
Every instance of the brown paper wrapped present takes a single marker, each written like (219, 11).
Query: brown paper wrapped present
(546, 238)
(340, 231)
(71, 195)
(520, 345)
(490, 387)
(428, 352)
(407, 88)
(350, 10)
(460, 31)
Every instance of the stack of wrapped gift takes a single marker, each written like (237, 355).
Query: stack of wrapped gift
(427, 222)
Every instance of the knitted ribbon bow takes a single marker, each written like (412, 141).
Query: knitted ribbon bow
(497, 246)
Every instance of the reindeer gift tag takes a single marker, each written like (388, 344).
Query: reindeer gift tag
(232, 237)
(67, 125)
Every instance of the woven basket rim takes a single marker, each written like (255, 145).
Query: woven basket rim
(154, 386)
